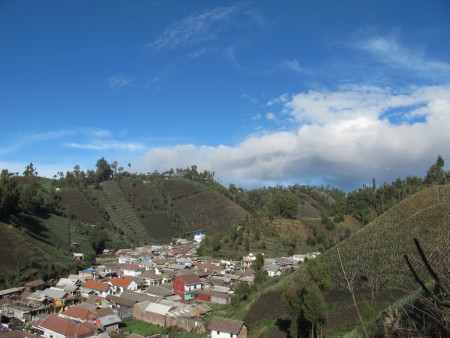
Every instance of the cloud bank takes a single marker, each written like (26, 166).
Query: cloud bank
(344, 138)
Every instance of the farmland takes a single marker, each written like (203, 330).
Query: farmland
(74, 203)
(210, 211)
(380, 245)
(119, 210)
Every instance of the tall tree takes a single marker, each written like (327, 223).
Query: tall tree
(436, 173)
(304, 300)
(104, 171)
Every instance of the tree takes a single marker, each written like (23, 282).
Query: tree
(285, 205)
(9, 195)
(104, 171)
(304, 300)
(436, 173)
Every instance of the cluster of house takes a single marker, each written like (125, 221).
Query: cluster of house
(163, 285)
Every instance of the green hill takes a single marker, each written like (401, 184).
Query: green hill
(373, 256)
(373, 260)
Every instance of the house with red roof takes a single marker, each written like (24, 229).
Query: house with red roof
(93, 287)
(60, 327)
(121, 284)
(79, 314)
(187, 286)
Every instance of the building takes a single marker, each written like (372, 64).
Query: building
(58, 327)
(96, 288)
(198, 237)
(187, 286)
(121, 284)
(222, 327)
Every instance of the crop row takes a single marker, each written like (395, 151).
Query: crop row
(119, 210)
(376, 251)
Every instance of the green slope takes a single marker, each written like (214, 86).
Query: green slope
(374, 255)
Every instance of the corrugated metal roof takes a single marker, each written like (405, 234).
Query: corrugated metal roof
(158, 308)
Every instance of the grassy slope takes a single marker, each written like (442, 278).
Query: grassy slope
(23, 249)
(146, 201)
(378, 248)
(202, 209)
(424, 216)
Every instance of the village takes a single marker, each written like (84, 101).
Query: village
(165, 285)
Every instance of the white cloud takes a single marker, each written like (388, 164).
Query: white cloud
(101, 132)
(249, 98)
(295, 66)
(107, 145)
(120, 81)
(388, 50)
(339, 137)
(21, 140)
(193, 29)
(279, 100)
(270, 116)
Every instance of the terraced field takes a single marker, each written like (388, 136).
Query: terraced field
(179, 188)
(374, 254)
(209, 210)
(22, 249)
(141, 196)
(158, 225)
(120, 211)
(57, 231)
(76, 204)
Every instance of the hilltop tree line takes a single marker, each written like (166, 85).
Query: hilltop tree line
(27, 193)
(365, 204)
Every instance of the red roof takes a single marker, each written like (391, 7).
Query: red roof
(130, 267)
(190, 279)
(95, 285)
(65, 326)
(79, 313)
(120, 282)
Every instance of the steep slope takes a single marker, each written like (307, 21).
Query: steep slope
(23, 250)
(201, 209)
(74, 203)
(120, 212)
(373, 256)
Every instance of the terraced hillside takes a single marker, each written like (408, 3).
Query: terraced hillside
(22, 249)
(146, 201)
(373, 256)
(142, 196)
(209, 211)
(74, 203)
(120, 212)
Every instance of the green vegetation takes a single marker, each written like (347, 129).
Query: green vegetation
(143, 328)
(305, 302)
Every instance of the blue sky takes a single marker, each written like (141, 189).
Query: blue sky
(261, 92)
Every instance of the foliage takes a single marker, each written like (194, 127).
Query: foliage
(142, 328)
(285, 205)
(304, 300)
(436, 173)
(104, 171)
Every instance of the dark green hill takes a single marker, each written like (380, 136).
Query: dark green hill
(373, 256)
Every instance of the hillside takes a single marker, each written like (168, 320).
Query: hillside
(28, 249)
(373, 260)
(373, 256)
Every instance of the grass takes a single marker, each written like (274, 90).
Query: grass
(143, 328)
(376, 251)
